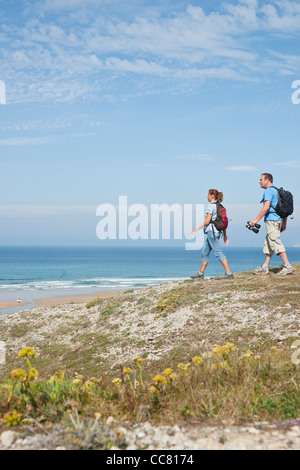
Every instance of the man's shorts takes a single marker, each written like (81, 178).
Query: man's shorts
(273, 244)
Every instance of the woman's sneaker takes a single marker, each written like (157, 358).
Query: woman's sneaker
(198, 275)
(286, 270)
(262, 270)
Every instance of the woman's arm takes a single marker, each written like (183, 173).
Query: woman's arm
(206, 222)
(226, 241)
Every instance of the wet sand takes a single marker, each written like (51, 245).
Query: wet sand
(11, 304)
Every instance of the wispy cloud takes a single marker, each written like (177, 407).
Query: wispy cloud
(242, 168)
(289, 164)
(40, 211)
(78, 121)
(27, 141)
(43, 140)
(90, 56)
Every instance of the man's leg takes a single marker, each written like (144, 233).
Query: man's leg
(284, 257)
(267, 250)
(275, 245)
(268, 259)
(287, 268)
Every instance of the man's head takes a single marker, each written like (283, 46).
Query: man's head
(266, 180)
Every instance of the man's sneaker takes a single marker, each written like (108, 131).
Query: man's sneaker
(198, 275)
(262, 270)
(228, 276)
(286, 270)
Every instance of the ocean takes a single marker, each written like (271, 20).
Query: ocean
(29, 272)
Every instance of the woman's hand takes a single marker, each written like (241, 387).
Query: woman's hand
(226, 241)
(194, 231)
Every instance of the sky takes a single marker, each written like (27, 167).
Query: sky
(158, 101)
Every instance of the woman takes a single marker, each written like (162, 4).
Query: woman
(212, 237)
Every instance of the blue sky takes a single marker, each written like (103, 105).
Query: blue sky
(156, 100)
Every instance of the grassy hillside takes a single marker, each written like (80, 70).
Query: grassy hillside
(210, 350)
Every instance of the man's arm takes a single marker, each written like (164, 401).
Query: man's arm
(283, 227)
(266, 207)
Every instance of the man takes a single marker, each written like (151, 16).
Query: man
(274, 226)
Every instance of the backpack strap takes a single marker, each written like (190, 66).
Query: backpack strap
(211, 222)
(271, 204)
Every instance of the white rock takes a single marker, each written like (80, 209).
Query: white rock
(253, 431)
(8, 438)
(296, 429)
(110, 420)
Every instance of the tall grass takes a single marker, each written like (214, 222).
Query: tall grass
(220, 384)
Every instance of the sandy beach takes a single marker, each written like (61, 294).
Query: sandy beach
(76, 298)
(59, 300)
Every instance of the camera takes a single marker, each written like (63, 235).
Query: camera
(254, 229)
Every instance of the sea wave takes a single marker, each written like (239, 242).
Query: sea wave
(101, 283)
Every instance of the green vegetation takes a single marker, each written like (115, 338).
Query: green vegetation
(221, 384)
(210, 370)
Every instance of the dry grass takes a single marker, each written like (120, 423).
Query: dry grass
(165, 326)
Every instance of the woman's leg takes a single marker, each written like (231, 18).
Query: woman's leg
(214, 240)
(203, 266)
(226, 265)
(205, 253)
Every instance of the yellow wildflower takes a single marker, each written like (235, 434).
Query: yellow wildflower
(27, 352)
(159, 379)
(32, 374)
(197, 360)
(167, 372)
(18, 374)
(12, 419)
(172, 376)
(139, 360)
(153, 390)
(117, 382)
(184, 367)
(88, 385)
(127, 370)
(248, 354)
(224, 350)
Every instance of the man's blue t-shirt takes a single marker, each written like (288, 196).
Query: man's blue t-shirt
(271, 194)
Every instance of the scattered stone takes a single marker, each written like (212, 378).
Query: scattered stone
(110, 420)
(8, 437)
(145, 436)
